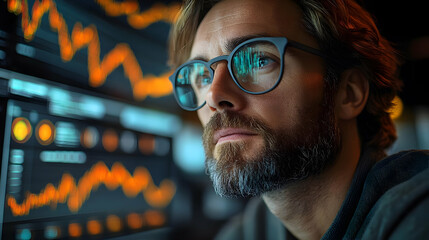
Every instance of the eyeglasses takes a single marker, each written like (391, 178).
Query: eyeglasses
(256, 66)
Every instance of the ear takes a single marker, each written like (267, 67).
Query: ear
(352, 94)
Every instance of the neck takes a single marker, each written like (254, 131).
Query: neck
(308, 208)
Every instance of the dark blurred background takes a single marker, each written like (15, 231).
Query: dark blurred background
(85, 101)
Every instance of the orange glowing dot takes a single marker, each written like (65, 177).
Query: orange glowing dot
(135, 221)
(75, 230)
(147, 144)
(21, 130)
(94, 227)
(113, 223)
(154, 218)
(110, 140)
(45, 132)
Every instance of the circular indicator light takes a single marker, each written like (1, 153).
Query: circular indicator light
(135, 221)
(45, 132)
(162, 146)
(75, 230)
(94, 227)
(113, 223)
(21, 130)
(110, 140)
(154, 218)
(52, 232)
(89, 137)
(23, 234)
(147, 144)
(128, 142)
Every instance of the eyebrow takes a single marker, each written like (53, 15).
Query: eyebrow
(231, 44)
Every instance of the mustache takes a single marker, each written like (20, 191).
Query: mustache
(229, 119)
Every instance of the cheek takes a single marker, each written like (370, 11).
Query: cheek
(303, 79)
(204, 115)
(314, 84)
(292, 103)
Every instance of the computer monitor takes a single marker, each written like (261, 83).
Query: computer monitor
(87, 127)
(82, 166)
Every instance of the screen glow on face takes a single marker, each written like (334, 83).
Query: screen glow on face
(255, 65)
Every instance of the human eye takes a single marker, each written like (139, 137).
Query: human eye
(258, 58)
(203, 81)
(262, 60)
(199, 76)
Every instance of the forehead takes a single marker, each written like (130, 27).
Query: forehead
(231, 19)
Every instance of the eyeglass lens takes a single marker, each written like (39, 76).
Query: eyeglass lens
(255, 68)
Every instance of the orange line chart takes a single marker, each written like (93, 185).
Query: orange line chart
(98, 69)
(138, 20)
(75, 194)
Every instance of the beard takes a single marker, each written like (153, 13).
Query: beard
(286, 156)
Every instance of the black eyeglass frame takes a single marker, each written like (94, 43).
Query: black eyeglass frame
(280, 42)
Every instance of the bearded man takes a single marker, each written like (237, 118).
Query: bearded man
(294, 98)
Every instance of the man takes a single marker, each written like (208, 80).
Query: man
(294, 97)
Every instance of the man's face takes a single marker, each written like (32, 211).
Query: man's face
(258, 143)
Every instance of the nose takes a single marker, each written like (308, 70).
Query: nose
(224, 94)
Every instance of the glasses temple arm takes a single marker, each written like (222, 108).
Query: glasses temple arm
(315, 51)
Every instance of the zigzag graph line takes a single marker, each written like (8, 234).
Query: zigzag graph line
(121, 54)
(136, 19)
(77, 194)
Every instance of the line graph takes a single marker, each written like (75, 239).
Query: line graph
(136, 19)
(75, 194)
(81, 37)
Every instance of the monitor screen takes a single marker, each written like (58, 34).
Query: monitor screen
(88, 121)
(119, 49)
(79, 165)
